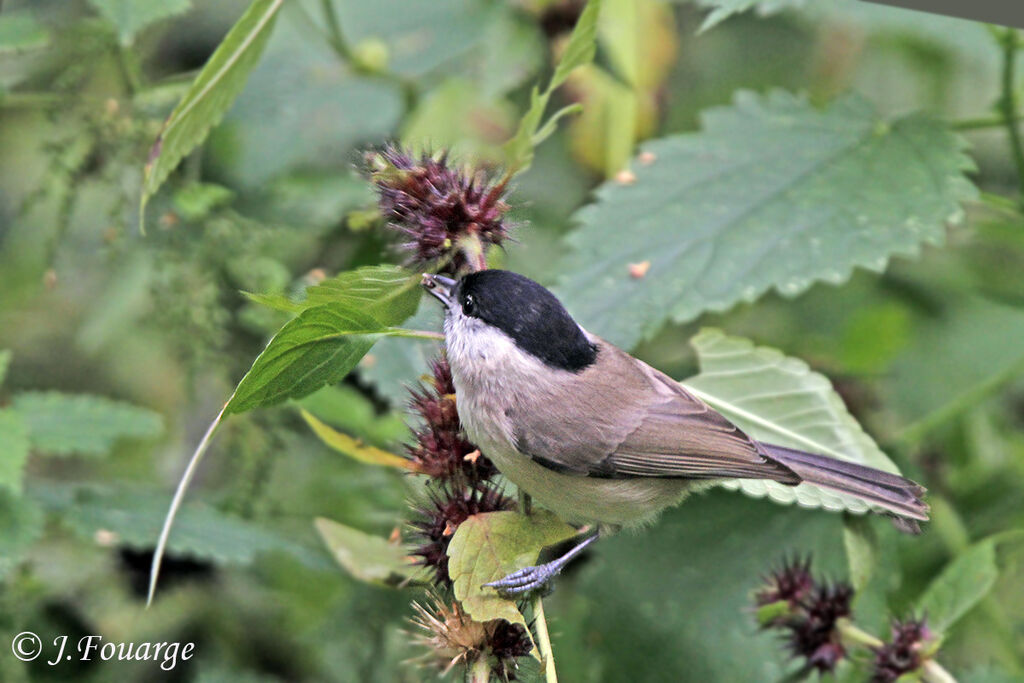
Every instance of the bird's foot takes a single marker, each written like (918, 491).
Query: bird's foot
(530, 579)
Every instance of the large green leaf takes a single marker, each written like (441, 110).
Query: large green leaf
(317, 348)
(14, 448)
(62, 424)
(396, 364)
(134, 516)
(131, 16)
(210, 95)
(22, 522)
(772, 193)
(961, 585)
(780, 400)
(366, 557)
(492, 545)
(389, 293)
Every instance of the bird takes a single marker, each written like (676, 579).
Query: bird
(599, 437)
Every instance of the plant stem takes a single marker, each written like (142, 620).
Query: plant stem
(479, 672)
(982, 122)
(1008, 103)
(334, 35)
(544, 641)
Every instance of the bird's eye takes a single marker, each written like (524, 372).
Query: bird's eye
(469, 305)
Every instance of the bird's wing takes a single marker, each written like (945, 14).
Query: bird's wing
(639, 423)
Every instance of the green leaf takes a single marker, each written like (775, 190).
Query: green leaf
(131, 16)
(22, 522)
(723, 9)
(961, 585)
(21, 31)
(347, 408)
(489, 546)
(395, 364)
(62, 424)
(196, 201)
(389, 293)
(772, 193)
(579, 51)
(134, 517)
(317, 348)
(5, 362)
(861, 543)
(210, 95)
(779, 399)
(549, 127)
(581, 47)
(346, 445)
(14, 449)
(365, 557)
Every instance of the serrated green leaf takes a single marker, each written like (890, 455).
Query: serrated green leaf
(365, 557)
(489, 546)
(5, 362)
(771, 193)
(861, 543)
(960, 586)
(134, 517)
(317, 348)
(21, 520)
(346, 445)
(21, 31)
(211, 94)
(131, 16)
(14, 449)
(581, 46)
(389, 293)
(780, 400)
(396, 364)
(63, 424)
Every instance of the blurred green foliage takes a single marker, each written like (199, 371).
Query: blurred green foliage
(123, 347)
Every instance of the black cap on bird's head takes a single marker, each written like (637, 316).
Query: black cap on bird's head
(524, 310)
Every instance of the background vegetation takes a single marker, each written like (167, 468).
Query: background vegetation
(822, 201)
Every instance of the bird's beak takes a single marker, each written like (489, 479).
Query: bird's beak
(440, 286)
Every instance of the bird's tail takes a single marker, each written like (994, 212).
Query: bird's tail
(895, 494)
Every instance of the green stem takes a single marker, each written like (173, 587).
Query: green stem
(129, 70)
(999, 203)
(1008, 103)
(544, 641)
(479, 671)
(334, 35)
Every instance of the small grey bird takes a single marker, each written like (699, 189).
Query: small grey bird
(597, 436)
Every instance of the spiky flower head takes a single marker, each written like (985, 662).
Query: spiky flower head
(904, 653)
(806, 611)
(449, 505)
(441, 449)
(452, 636)
(450, 215)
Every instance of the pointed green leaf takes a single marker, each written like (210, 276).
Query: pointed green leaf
(210, 95)
(489, 546)
(365, 557)
(14, 448)
(780, 400)
(317, 348)
(389, 293)
(581, 47)
(961, 585)
(63, 424)
(772, 193)
(346, 445)
(131, 16)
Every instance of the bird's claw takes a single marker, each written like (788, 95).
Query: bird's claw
(526, 580)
